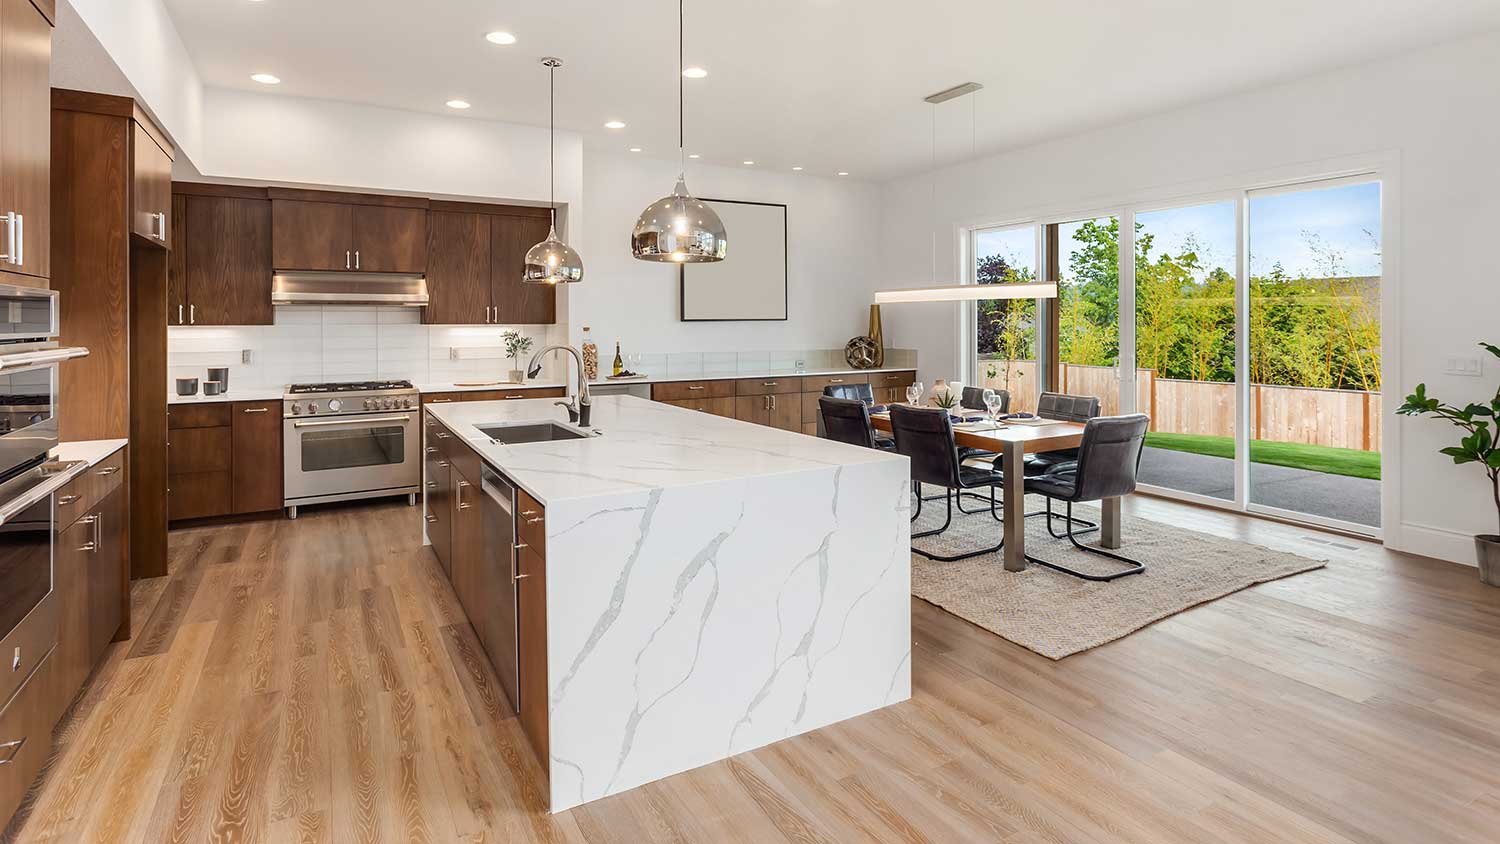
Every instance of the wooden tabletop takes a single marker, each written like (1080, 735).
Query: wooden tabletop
(1031, 439)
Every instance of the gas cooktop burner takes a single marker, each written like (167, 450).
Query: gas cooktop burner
(348, 387)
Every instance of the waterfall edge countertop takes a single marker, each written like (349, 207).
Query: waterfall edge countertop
(711, 586)
(641, 445)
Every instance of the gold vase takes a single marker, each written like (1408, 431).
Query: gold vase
(878, 335)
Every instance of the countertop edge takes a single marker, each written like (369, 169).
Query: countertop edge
(89, 451)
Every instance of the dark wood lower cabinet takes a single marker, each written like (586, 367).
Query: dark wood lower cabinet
(789, 403)
(256, 463)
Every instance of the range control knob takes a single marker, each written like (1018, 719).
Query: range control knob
(406, 402)
(312, 407)
(369, 404)
(387, 403)
(334, 405)
(296, 409)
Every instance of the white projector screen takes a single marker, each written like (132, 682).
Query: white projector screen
(750, 283)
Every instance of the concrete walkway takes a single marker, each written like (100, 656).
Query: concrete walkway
(1330, 496)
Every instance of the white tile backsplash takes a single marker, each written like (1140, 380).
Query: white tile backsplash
(316, 343)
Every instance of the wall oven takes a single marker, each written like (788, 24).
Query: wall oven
(364, 445)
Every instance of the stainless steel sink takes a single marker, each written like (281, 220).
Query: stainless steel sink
(531, 432)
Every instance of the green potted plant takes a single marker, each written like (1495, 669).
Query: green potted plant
(1477, 446)
(516, 344)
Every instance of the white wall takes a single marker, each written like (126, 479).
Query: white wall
(1432, 116)
(833, 249)
(143, 42)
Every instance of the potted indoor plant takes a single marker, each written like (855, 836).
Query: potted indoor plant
(1477, 446)
(516, 344)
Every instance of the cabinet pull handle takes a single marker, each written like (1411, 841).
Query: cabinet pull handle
(66, 499)
(20, 240)
(515, 397)
(161, 218)
(442, 435)
(431, 519)
(519, 545)
(356, 259)
(438, 401)
(89, 547)
(347, 262)
(98, 531)
(443, 463)
(192, 314)
(432, 484)
(533, 520)
(773, 402)
(519, 576)
(14, 747)
(180, 315)
(769, 383)
(835, 380)
(696, 387)
(108, 470)
(432, 449)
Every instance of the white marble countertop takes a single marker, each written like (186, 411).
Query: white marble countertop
(641, 445)
(433, 387)
(89, 451)
(234, 394)
(734, 376)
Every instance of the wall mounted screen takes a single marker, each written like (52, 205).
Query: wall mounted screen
(750, 283)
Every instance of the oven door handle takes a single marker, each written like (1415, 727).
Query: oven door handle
(354, 421)
(16, 506)
(41, 358)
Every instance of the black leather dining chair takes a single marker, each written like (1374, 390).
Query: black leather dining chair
(1108, 460)
(848, 421)
(926, 437)
(973, 399)
(857, 392)
(1063, 408)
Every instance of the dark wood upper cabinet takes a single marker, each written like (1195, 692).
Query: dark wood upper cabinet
(312, 235)
(390, 239)
(458, 268)
(25, 140)
(151, 189)
(257, 462)
(518, 303)
(177, 282)
(226, 262)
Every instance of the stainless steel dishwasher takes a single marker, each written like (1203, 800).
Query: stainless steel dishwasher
(499, 632)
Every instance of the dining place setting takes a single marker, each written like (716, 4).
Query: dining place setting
(964, 441)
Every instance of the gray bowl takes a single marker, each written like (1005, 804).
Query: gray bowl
(187, 386)
(213, 388)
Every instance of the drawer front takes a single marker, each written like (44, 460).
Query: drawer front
(197, 415)
(199, 450)
(26, 736)
(718, 407)
(816, 383)
(441, 398)
(516, 393)
(894, 380)
(106, 476)
(692, 390)
(34, 637)
(73, 500)
(465, 462)
(199, 495)
(767, 386)
(531, 523)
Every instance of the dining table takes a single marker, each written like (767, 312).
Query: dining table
(1013, 440)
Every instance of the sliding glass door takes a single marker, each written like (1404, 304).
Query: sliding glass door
(1314, 351)
(1006, 333)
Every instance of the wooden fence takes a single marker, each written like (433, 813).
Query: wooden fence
(1339, 418)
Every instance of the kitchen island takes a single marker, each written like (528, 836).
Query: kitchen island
(710, 585)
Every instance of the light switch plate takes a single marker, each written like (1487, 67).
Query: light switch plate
(1466, 365)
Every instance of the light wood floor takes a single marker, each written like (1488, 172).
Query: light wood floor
(314, 681)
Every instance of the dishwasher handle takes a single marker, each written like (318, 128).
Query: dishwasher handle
(499, 489)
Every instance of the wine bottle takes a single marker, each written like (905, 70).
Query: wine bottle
(619, 361)
(590, 356)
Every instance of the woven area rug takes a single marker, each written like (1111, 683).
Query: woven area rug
(1057, 615)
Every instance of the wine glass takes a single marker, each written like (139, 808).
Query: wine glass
(992, 402)
(913, 392)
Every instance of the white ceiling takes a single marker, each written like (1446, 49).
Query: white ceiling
(826, 84)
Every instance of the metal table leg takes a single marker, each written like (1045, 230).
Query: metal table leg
(1015, 507)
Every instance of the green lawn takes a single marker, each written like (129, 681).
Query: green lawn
(1318, 458)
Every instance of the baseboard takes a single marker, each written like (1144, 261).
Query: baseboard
(1436, 542)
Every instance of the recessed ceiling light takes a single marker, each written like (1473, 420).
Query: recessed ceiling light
(843, 172)
(265, 78)
(635, 149)
(798, 169)
(615, 124)
(502, 38)
(748, 163)
(458, 104)
(694, 155)
(694, 72)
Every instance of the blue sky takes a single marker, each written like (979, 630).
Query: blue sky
(1301, 230)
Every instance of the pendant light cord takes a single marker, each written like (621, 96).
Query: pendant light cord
(932, 163)
(552, 141)
(681, 97)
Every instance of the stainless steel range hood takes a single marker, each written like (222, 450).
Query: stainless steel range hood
(311, 288)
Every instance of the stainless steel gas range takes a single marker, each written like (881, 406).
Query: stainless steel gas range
(350, 440)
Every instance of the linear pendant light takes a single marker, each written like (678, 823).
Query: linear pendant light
(678, 228)
(961, 292)
(552, 261)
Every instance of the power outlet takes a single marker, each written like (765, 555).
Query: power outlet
(1472, 367)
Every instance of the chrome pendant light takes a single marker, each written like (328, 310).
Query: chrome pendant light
(678, 228)
(552, 261)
